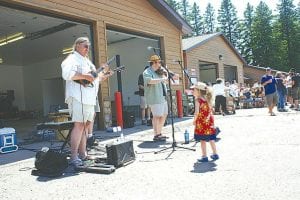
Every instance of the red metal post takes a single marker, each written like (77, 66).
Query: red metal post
(119, 111)
(179, 103)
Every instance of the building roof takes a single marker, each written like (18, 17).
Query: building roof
(189, 44)
(263, 68)
(168, 12)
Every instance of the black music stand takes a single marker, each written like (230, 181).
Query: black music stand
(174, 143)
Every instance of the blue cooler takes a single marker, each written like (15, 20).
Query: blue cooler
(8, 140)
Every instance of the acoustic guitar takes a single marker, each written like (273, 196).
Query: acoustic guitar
(87, 83)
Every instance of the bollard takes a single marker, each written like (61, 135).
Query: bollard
(119, 111)
(179, 103)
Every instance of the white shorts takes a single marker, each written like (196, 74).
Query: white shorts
(159, 110)
(143, 103)
(81, 112)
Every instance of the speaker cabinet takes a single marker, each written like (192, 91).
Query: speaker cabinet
(120, 153)
(128, 119)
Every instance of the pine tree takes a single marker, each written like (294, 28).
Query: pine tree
(262, 36)
(288, 31)
(229, 22)
(174, 4)
(209, 19)
(184, 8)
(246, 37)
(196, 20)
(280, 56)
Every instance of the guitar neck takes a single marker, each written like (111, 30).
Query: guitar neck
(100, 69)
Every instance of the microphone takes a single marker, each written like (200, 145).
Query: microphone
(150, 48)
(177, 61)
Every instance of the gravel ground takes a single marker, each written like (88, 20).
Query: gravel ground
(259, 159)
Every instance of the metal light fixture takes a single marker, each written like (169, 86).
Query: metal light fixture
(12, 38)
(220, 57)
(67, 50)
(49, 31)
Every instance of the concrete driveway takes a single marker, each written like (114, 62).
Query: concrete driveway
(259, 159)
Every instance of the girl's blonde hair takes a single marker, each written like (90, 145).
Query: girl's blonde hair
(208, 95)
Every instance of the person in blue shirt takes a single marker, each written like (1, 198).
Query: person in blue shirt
(281, 92)
(269, 83)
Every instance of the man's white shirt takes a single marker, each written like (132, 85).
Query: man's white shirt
(70, 66)
(219, 89)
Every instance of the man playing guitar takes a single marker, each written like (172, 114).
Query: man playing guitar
(81, 100)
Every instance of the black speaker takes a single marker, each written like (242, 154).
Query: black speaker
(128, 119)
(120, 153)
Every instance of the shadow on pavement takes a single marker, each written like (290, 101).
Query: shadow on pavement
(67, 173)
(151, 144)
(204, 167)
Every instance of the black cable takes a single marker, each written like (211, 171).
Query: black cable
(33, 149)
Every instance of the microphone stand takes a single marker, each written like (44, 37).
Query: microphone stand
(187, 75)
(190, 80)
(174, 143)
(184, 71)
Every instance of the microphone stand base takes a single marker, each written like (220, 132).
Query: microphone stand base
(173, 147)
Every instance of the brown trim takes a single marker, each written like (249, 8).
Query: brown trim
(97, 52)
(123, 29)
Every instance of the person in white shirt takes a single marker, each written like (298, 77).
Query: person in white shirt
(234, 89)
(220, 99)
(81, 99)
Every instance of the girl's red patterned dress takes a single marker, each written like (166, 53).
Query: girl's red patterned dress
(204, 128)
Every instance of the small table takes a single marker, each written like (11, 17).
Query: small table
(59, 126)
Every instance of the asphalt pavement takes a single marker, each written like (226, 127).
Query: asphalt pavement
(259, 159)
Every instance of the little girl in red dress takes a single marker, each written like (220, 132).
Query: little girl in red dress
(204, 120)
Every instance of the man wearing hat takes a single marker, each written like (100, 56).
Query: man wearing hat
(269, 83)
(155, 95)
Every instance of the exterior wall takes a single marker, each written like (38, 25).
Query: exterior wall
(255, 73)
(131, 15)
(209, 52)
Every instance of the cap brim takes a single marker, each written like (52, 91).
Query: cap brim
(154, 60)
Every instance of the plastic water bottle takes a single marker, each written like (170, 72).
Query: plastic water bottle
(118, 129)
(186, 137)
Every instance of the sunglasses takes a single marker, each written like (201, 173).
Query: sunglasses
(86, 46)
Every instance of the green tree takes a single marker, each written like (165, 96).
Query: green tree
(262, 36)
(209, 19)
(196, 20)
(229, 22)
(184, 8)
(174, 4)
(246, 36)
(280, 57)
(288, 33)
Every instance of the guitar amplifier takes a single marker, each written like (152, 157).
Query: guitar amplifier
(120, 153)
(128, 119)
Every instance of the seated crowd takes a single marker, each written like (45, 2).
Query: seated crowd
(231, 94)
